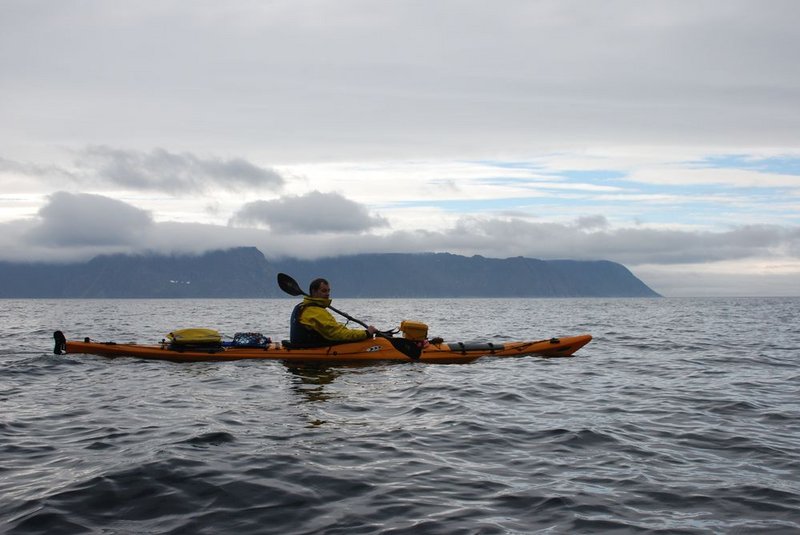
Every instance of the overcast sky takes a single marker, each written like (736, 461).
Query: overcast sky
(664, 135)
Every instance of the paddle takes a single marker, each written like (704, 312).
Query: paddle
(408, 348)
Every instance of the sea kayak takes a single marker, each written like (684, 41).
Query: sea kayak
(371, 350)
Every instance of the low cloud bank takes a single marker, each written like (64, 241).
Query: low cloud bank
(72, 227)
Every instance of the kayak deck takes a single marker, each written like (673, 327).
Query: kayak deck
(371, 350)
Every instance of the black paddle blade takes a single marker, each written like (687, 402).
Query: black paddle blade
(289, 285)
(407, 347)
(61, 343)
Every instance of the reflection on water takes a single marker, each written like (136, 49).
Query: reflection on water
(309, 381)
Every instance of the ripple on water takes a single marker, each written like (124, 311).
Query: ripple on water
(676, 418)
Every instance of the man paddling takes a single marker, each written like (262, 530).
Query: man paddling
(312, 324)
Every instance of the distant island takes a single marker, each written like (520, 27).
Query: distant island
(244, 272)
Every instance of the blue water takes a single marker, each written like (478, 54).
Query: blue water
(681, 416)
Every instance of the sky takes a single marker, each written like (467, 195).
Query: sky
(664, 135)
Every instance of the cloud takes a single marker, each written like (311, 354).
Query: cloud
(458, 76)
(161, 170)
(334, 225)
(19, 176)
(628, 245)
(10, 166)
(592, 222)
(639, 132)
(311, 213)
(73, 227)
(84, 220)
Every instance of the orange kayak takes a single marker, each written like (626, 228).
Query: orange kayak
(372, 350)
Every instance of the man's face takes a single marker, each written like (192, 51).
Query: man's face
(323, 291)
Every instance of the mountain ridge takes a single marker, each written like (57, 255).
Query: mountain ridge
(243, 272)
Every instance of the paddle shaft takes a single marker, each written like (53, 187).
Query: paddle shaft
(349, 317)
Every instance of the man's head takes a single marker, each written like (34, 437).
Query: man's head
(320, 288)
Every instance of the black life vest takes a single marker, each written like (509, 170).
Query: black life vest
(302, 336)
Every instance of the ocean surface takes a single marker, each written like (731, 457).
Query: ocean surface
(681, 416)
